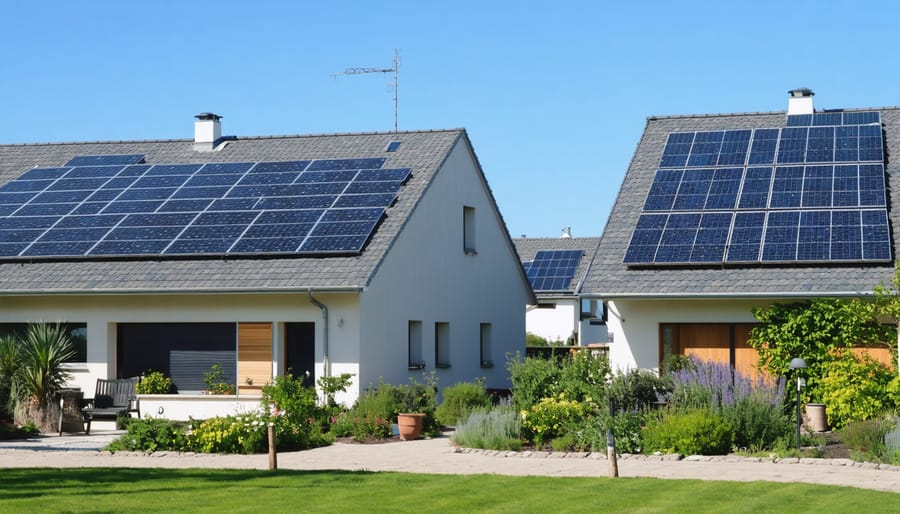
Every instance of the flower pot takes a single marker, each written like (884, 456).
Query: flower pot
(817, 419)
(410, 425)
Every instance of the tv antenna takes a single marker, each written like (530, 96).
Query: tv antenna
(395, 69)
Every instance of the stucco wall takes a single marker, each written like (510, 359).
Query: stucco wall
(428, 277)
(634, 324)
(556, 323)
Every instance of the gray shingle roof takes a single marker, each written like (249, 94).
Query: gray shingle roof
(527, 247)
(609, 277)
(422, 152)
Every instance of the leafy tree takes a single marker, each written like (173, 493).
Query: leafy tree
(43, 351)
(817, 330)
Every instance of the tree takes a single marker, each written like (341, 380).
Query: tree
(40, 375)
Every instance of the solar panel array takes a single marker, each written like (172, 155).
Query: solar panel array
(108, 206)
(810, 192)
(552, 270)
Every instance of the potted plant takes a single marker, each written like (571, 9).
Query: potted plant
(417, 404)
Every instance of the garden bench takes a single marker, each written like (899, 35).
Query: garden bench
(112, 398)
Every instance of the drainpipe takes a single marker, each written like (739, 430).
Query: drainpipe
(324, 308)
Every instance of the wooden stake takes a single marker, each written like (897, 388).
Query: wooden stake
(273, 457)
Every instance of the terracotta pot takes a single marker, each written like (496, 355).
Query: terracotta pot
(410, 425)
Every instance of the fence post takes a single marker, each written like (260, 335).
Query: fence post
(611, 443)
(273, 457)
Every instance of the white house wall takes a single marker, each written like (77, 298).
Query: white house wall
(634, 324)
(103, 312)
(556, 323)
(429, 278)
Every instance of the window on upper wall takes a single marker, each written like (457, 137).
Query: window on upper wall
(487, 360)
(469, 230)
(415, 345)
(77, 333)
(442, 345)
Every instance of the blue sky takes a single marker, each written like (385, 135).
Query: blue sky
(554, 95)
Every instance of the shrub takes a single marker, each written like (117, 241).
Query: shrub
(635, 390)
(866, 439)
(532, 379)
(40, 374)
(9, 362)
(497, 429)
(588, 433)
(854, 388)
(215, 381)
(696, 432)
(246, 433)
(892, 442)
(154, 382)
(459, 400)
(758, 422)
(580, 377)
(583, 377)
(150, 435)
(546, 419)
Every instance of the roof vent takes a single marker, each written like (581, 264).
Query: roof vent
(207, 132)
(566, 233)
(801, 101)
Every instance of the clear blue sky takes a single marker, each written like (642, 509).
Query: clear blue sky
(554, 95)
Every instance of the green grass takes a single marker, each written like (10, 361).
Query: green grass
(194, 490)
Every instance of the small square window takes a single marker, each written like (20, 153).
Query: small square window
(442, 345)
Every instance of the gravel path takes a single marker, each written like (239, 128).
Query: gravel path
(439, 456)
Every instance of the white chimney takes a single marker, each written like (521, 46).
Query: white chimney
(800, 101)
(207, 131)
(566, 233)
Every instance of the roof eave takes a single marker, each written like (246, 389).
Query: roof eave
(183, 291)
(730, 295)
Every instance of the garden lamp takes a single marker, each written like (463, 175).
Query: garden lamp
(797, 364)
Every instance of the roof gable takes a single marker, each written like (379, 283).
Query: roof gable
(420, 152)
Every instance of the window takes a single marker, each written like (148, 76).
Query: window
(77, 334)
(415, 345)
(441, 345)
(469, 230)
(487, 360)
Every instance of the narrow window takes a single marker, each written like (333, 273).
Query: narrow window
(441, 345)
(415, 345)
(487, 360)
(469, 230)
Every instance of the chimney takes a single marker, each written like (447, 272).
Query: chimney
(801, 101)
(207, 132)
(566, 233)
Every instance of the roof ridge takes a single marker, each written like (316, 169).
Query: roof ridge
(758, 113)
(236, 138)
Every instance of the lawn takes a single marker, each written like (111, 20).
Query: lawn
(194, 490)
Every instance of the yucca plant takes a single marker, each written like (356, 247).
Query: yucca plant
(40, 375)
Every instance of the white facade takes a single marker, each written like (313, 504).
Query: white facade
(554, 321)
(634, 325)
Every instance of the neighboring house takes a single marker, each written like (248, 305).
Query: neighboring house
(719, 214)
(556, 268)
(382, 255)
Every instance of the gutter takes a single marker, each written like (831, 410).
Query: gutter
(732, 296)
(324, 308)
(269, 290)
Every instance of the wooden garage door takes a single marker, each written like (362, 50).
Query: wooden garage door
(254, 356)
(717, 342)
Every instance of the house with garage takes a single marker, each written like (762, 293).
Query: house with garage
(383, 255)
(721, 213)
(556, 269)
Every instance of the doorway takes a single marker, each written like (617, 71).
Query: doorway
(300, 351)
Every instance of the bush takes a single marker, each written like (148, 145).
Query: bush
(532, 379)
(866, 439)
(636, 390)
(854, 388)
(546, 419)
(580, 377)
(588, 433)
(758, 422)
(246, 433)
(150, 435)
(696, 432)
(497, 429)
(154, 382)
(40, 374)
(460, 400)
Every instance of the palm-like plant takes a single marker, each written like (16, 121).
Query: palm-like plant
(40, 375)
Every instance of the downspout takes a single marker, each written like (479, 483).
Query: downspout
(324, 308)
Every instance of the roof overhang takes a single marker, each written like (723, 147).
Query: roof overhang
(730, 296)
(175, 292)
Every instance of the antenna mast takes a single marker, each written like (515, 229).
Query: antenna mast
(395, 70)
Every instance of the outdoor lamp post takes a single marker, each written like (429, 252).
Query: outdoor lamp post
(797, 364)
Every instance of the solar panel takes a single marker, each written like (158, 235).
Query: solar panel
(552, 270)
(109, 206)
(98, 160)
(717, 198)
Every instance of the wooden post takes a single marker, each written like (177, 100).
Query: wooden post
(611, 444)
(273, 457)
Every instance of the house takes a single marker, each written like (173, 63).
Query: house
(382, 255)
(556, 268)
(721, 213)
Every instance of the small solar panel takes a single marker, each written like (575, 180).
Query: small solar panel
(102, 160)
(717, 198)
(113, 208)
(553, 270)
